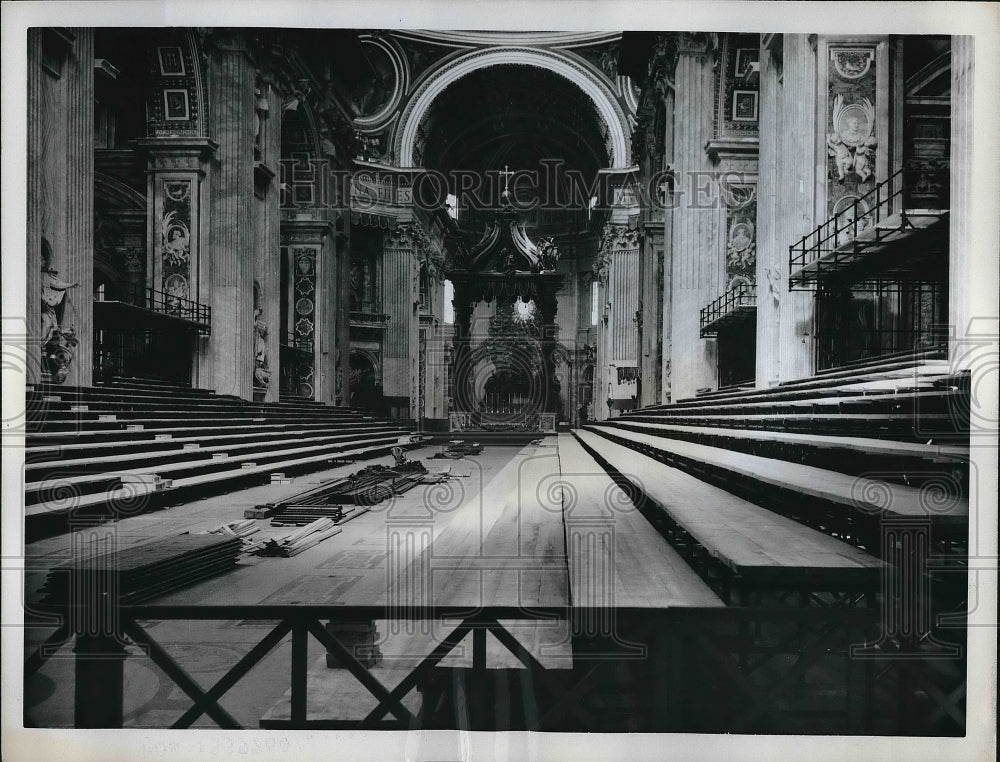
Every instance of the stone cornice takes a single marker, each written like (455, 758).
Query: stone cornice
(177, 152)
(304, 231)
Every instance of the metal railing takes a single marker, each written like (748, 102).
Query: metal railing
(864, 213)
(359, 317)
(160, 302)
(717, 669)
(292, 341)
(740, 298)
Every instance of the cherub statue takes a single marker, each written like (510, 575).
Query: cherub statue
(852, 142)
(841, 154)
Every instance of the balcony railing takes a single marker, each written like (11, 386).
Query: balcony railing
(291, 340)
(363, 319)
(736, 303)
(871, 223)
(150, 300)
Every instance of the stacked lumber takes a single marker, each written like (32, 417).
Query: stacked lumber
(136, 574)
(241, 529)
(459, 449)
(337, 498)
(290, 545)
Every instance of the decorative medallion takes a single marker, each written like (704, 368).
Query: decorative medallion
(852, 142)
(176, 288)
(304, 306)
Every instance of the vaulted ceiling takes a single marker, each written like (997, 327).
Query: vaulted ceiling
(513, 115)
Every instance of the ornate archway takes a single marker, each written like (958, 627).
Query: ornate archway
(565, 65)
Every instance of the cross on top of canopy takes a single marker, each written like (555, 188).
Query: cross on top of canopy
(519, 115)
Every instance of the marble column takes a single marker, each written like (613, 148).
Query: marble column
(547, 303)
(399, 299)
(801, 169)
(462, 396)
(306, 241)
(342, 317)
(231, 79)
(76, 261)
(35, 178)
(436, 368)
(695, 226)
(267, 246)
(771, 252)
(961, 247)
(621, 345)
(650, 293)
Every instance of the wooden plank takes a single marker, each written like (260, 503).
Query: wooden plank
(251, 446)
(752, 541)
(111, 496)
(502, 547)
(832, 486)
(855, 444)
(645, 570)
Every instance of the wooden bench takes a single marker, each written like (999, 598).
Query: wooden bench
(608, 540)
(865, 445)
(899, 426)
(756, 548)
(849, 492)
(257, 472)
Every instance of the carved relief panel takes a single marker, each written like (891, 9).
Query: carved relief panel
(741, 235)
(855, 130)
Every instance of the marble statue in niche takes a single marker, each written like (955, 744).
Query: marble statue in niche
(57, 344)
(261, 371)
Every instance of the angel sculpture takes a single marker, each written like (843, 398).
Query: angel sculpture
(548, 254)
(841, 155)
(852, 142)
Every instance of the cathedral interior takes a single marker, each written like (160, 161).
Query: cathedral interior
(568, 381)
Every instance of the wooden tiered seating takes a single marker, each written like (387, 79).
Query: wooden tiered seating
(92, 449)
(741, 545)
(917, 404)
(603, 526)
(834, 457)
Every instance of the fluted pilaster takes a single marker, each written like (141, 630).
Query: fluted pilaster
(231, 97)
(695, 228)
(33, 258)
(772, 252)
(797, 187)
(79, 253)
(399, 294)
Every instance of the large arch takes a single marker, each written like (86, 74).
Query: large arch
(570, 68)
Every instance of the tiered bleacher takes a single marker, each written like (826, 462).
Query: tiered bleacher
(791, 488)
(115, 449)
